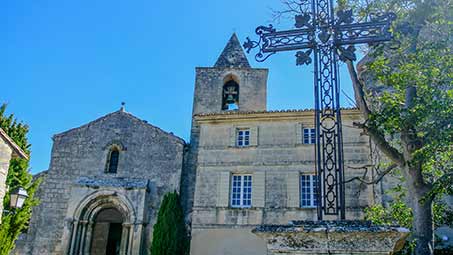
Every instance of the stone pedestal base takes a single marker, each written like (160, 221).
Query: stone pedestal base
(332, 237)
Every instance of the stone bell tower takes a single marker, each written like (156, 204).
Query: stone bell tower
(230, 85)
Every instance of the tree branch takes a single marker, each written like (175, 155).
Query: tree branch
(359, 94)
(392, 153)
(375, 180)
(292, 7)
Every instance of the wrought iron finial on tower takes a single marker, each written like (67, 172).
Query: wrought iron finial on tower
(330, 37)
(123, 107)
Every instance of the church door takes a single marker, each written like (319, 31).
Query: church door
(108, 228)
(114, 239)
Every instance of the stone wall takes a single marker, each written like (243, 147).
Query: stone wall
(332, 237)
(101, 231)
(209, 86)
(227, 241)
(275, 159)
(77, 171)
(208, 89)
(5, 157)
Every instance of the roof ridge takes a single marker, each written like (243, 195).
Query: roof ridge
(232, 55)
(12, 144)
(121, 111)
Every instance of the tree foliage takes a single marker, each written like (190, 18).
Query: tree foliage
(404, 90)
(16, 220)
(407, 103)
(398, 213)
(169, 234)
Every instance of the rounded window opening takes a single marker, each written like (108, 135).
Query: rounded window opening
(112, 160)
(230, 98)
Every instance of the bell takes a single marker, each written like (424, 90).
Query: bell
(230, 99)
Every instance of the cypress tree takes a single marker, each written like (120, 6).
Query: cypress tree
(169, 235)
(16, 221)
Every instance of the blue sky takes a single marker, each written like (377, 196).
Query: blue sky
(64, 63)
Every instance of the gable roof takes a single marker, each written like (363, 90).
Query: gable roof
(121, 112)
(16, 149)
(232, 55)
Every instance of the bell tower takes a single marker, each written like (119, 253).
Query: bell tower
(231, 84)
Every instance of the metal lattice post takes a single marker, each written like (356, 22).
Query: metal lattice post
(331, 38)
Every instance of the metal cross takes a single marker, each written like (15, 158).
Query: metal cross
(330, 38)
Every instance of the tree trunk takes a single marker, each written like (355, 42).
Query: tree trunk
(422, 224)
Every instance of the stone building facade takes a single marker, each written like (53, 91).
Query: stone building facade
(244, 166)
(8, 149)
(103, 189)
(265, 156)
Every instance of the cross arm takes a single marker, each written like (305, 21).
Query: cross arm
(374, 31)
(272, 41)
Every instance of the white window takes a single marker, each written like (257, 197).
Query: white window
(243, 137)
(241, 191)
(309, 136)
(308, 190)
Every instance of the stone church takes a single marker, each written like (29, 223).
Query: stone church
(244, 166)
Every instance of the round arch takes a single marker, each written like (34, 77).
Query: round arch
(230, 92)
(90, 206)
(84, 220)
(231, 77)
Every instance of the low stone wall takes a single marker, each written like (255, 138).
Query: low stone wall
(332, 237)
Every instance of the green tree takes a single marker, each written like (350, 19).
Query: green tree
(404, 90)
(16, 221)
(410, 118)
(399, 213)
(169, 235)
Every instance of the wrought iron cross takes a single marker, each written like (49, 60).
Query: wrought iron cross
(330, 38)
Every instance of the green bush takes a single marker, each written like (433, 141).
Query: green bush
(16, 220)
(169, 235)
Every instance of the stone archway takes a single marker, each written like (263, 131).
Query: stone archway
(107, 232)
(103, 224)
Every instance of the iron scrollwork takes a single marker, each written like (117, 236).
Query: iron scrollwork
(263, 43)
(330, 40)
(303, 57)
(302, 20)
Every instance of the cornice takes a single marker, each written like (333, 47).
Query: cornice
(267, 115)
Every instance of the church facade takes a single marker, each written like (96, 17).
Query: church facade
(102, 192)
(244, 166)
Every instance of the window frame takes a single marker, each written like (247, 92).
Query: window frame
(312, 190)
(242, 199)
(311, 136)
(109, 160)
(242, 137)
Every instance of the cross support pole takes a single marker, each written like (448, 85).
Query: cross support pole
(329, 38)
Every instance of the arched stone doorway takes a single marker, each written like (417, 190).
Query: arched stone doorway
(103, 224)
(107, 232)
